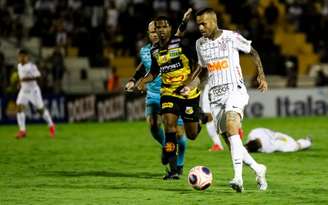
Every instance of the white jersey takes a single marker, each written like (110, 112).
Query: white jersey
(272, 141)
(28, 70)
(221, 57)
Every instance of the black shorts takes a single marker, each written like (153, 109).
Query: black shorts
(188, 109)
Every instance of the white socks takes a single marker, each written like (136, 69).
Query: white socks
(304, 143)
(21, 121)
(249, 161)
(237, 153)
(211, 130)
(46, 116)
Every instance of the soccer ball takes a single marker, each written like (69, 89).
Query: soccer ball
(200, 177)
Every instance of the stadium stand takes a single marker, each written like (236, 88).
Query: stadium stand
(98, 35)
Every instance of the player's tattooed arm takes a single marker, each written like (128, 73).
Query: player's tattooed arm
(182, 27)
(261, 79)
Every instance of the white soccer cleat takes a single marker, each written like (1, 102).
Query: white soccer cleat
(237, 185)
(260, 178)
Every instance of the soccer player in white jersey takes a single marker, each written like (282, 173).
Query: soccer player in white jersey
(268, 141)
(218, 52)
(29, 92)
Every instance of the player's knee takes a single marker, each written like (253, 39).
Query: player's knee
(40, 110)
(191, 135)
(232, 128)
(232, 123)
(20, 108)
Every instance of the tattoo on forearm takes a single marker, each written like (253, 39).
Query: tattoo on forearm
(258, 63)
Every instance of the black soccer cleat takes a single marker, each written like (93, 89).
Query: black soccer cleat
(180, 170)
(171, 176)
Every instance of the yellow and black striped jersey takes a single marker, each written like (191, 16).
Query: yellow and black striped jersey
(174, 62)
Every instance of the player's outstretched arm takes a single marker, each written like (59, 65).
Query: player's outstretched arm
(140, 84)
(263, 84)
(191, 82)
(182, 27)
(139, 73)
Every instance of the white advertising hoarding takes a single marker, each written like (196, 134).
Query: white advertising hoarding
(288, 102)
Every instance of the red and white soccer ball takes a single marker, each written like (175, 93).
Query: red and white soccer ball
(200, 177)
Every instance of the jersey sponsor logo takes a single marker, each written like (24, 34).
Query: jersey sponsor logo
(173, 53)
(171, 67)
(174, 79)
(189, 110)
(218, 91)
(218, 65)
(167, 105)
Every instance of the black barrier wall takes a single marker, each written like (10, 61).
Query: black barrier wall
(79, 108)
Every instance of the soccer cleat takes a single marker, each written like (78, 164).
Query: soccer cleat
(180, 170)
(215, 148)
(171, 176)
(20, 134)
(52, 130)
(237, 185)
(260, 178)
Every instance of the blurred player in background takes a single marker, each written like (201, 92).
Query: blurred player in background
(268, 141)
(152, 111)
(174, 62)
(30, 92)
(218, 51)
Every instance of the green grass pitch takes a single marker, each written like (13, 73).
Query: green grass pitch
(119, 163)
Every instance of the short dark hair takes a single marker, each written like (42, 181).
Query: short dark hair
(163, 18)
(204, 11)
(253, 145)
(22, 51)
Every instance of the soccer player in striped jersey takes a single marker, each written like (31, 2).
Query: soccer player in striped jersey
(174, 62)
(30, 92)
(218, 53)
(152, 111)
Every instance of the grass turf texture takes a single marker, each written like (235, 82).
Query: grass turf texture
(119, 163)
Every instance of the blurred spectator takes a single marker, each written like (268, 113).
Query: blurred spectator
(3, 73)
(291, 71)
(112, 15)
(57, 69)
(18, 29)
(321, 78)
(271, 13)
(113, 82)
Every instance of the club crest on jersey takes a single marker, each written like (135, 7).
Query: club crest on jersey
(189, 110)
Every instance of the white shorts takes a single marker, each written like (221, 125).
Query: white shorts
(32, 95)
(234, 100)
